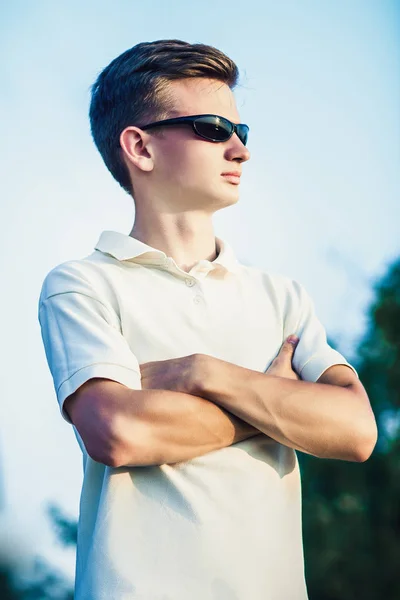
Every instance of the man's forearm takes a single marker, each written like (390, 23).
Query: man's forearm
(176, 427)
(327, 421)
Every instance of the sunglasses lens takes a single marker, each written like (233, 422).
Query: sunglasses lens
(213, 128)
(243, 132)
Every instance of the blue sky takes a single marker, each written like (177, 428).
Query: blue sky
(320, 90)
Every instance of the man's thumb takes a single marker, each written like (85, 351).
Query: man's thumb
(292, 341)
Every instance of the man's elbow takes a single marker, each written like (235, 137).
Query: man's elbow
(128, 452)
(112, 431)
(367, 443)
(109, 459)
(109, 454)
(117, 456)
(363, 427)
(113, 449)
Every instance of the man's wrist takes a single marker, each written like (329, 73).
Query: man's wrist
(200, 374)
(210, 381)
(212, 377)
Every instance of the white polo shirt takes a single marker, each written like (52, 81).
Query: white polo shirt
(222, 526)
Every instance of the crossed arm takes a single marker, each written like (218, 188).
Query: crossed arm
(328, 419)
(332, 418)
(121, 426)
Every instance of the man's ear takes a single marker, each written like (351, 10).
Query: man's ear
(136, 148)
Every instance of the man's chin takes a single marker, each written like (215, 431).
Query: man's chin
(225, 200)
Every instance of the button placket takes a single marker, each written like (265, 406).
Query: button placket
(190, 282)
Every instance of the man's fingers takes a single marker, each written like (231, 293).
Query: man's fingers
(289, 345)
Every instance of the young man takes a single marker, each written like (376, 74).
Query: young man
(171, 360)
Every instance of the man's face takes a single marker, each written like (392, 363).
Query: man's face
(187, 168)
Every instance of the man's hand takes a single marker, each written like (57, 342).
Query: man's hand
(175, 374)
(184, 374)
(281, 366)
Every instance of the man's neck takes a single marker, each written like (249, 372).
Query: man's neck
(185, 248)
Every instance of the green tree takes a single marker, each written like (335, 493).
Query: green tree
(45, 582)
(351, 511)
(8, 590)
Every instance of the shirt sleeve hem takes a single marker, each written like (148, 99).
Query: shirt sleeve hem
(317, 364)
(128, 377)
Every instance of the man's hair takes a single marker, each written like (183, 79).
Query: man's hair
(134, 90)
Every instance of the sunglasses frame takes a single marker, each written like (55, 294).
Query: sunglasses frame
(191, 120)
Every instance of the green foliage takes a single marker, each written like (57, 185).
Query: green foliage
(66, 529)
(8, 590)
(45, 582)
(351, 511)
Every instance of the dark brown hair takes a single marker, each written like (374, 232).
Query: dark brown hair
(134, 90)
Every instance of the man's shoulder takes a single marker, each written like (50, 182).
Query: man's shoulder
(272, 279)
(84, 275)
(286, 293)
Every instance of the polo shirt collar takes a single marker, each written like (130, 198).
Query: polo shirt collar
(125, 247)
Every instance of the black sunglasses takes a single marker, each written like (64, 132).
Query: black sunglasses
(209, 127)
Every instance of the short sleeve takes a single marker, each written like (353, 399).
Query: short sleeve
(81, 335)
(313, 355)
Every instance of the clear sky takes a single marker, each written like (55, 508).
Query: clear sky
(319, 201)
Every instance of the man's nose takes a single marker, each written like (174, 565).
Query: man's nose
(238, 149)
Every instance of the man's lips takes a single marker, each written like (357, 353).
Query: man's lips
(232, 177)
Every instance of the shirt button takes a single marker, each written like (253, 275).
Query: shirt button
(197, 299)
(189, 282)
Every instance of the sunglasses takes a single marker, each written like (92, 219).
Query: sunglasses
(209, 127)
